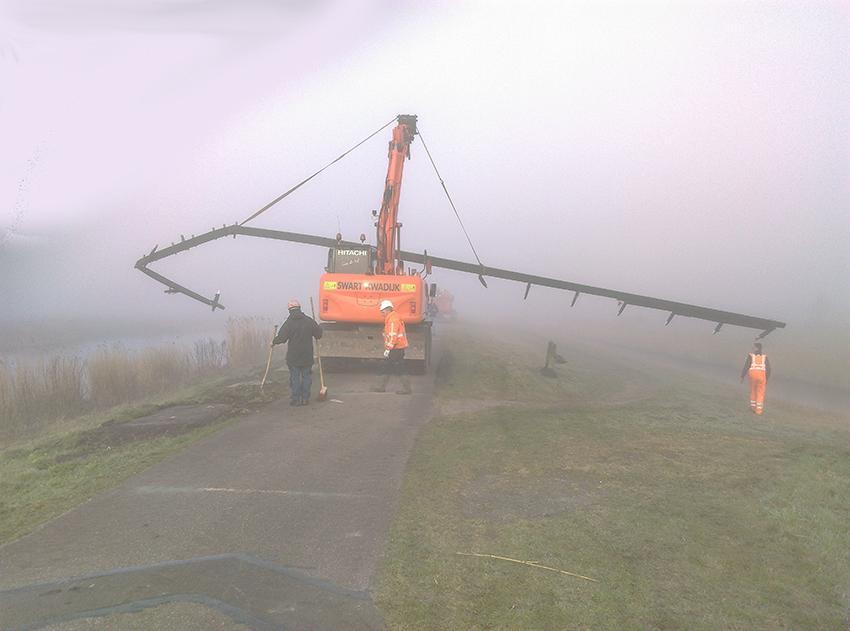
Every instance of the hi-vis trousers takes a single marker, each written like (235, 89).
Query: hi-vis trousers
(758, 382)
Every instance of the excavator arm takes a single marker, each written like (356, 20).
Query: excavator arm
(387, 224)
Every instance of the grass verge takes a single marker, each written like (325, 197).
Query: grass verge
(42, 478)
(40, 483)
(690, 512)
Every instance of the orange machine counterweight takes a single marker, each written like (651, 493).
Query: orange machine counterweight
(355, 297)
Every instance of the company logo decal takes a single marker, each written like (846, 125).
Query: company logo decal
(352, 252)
(356, 285)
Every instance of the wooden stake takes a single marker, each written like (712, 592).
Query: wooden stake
(531, 563)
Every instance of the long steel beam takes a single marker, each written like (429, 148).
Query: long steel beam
(625, 299)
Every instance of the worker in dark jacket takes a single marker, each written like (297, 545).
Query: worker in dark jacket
(757, 367)
(298, 332)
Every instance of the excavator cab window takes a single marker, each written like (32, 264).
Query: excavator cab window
(350, 260)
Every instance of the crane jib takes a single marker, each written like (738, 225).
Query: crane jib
(717, 316)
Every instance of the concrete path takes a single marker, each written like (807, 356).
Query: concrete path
(277, 521)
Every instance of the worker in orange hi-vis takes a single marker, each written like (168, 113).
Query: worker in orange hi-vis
(757, 367)
(395, 341)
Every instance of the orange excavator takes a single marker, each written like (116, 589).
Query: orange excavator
(357, 279)
(359, 276)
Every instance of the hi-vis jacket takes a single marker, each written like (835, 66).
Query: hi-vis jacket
(394, 334)
(756, 364)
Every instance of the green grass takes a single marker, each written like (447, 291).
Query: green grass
(38, 484)
(689, 511)
(44, 477)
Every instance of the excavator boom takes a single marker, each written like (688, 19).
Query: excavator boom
(387, 224)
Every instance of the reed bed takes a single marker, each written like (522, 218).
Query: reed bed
(248, 341)
(48, 388)
(37, 393)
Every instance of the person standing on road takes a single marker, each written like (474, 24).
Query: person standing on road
(757, 367)
(395, 341)
(298, 332)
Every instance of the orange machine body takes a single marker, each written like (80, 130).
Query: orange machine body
(356, 297)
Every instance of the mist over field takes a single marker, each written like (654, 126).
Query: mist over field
(694, 152)
(525, 464)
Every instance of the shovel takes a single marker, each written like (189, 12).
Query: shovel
(323, 390)
(269, 363)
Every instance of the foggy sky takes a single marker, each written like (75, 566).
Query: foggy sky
(691, 151)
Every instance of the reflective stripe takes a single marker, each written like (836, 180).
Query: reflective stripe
(757, 362)
(394, 333)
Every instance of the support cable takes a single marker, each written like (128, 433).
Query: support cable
(303, 182)
(443, 184)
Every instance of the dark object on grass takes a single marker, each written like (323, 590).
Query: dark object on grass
(552, 357)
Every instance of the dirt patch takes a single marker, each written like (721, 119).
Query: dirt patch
(171, 421)
(180, 415)
(508, 498)
(469, 406)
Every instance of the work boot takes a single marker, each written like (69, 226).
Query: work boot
(382, 385)
(305, 401)
(293, 402)
(405, 386)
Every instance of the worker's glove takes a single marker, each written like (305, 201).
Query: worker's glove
(386, 354)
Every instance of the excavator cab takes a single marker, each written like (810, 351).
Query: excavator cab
(350, 260)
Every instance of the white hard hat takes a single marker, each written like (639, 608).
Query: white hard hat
(386, 304)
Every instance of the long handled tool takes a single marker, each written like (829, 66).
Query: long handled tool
(323, 391)
(269, 363)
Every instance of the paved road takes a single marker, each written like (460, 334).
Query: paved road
(277, 521)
